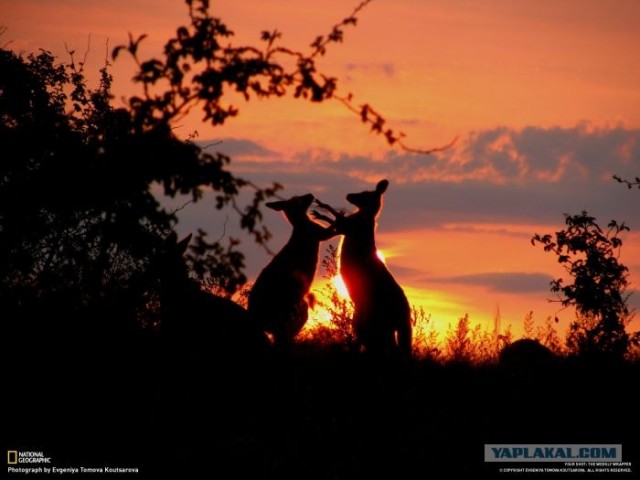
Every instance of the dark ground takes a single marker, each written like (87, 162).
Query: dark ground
(321, 414)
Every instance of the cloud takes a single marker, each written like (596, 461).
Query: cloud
(386, 69)
(532, 154)
(506, 282)
(526, 176)
(501, 176)
(634, 301)
(237, 148)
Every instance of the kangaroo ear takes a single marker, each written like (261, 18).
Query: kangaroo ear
(382, 186)
(172, 239)
(182, 245)
(277, 206)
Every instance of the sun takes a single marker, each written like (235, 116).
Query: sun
(319, 315)
(340, 286)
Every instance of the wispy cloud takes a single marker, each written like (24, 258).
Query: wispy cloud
(507, 282)
(459, 233)
(387, 69)
(238, 148)
(532, 154)
(522, 176)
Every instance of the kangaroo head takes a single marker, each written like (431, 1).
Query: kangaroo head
(167, 266)
(295, 209)
(174, 247)
(171, 260)
(369, 201)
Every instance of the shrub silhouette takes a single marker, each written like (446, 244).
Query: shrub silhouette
(84, 242)
(465, 344)
(526, 353)
(339, 310)
(546, 334)
(598, 292)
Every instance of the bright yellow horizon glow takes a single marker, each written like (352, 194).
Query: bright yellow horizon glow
(441, 312)
(341, 287)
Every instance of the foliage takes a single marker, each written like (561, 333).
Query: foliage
(546, 334)
(82, 242)
(338, 308)
(88, 240)
(598, 291)
(474, 345)
(200, 66)
(462, 343)
(219, 269)
(529, 326)
(80, 220)
(425, 337)
(458, 344)
(68, 227)
(340, 316)
(629, 183)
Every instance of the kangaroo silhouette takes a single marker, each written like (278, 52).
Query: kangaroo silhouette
(278, 298)
(382, 316)
(196, 323)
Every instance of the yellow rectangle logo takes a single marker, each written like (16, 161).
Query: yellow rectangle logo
(12, 457)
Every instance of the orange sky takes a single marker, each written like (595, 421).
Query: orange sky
(543, 95)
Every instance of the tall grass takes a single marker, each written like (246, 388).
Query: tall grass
(463, 342)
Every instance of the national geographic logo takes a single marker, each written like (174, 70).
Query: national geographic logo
(15, 457)
(32, 462)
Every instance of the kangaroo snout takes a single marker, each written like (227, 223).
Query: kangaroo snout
(307, 199)
(295, 209)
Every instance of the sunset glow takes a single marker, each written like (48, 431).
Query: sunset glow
(340, 286)
(319, 317)
(178, 182)
(542, 95)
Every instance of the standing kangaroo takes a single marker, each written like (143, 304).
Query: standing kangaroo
(382, 316)
(277, 300)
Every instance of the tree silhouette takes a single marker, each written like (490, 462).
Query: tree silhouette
(74, 213)
(598, 292)
(629, 183)
(199, 66)
(79, 217)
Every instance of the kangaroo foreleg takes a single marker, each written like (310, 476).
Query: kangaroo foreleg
(319, 216)
(337, 214)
